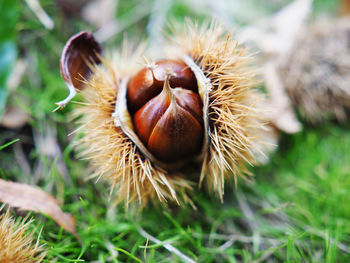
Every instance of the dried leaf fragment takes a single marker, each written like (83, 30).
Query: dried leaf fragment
(14, 118)
(344, 9)
(281, 113)
(27, 197)
(80, 52)
(92, 11)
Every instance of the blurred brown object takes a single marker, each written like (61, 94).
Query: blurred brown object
(316, 73)
(99, 12)
(344, 8)
(32, 198)
(71, 8)
(14, 118)
(274, 37)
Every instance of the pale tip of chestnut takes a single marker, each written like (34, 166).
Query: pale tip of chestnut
(166, 85)
(149, 65)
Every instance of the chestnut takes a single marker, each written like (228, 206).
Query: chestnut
(159, 130)
(149, 81)
(170, 125)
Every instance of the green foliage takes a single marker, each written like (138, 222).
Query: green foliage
(326, 6)
(8, 144)
(8, 21)
(311, 175)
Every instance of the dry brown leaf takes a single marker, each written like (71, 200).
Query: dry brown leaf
(344, 9)
(14, 118)
(281, 113)
(93, 10)
(27, 197)
(275, 36)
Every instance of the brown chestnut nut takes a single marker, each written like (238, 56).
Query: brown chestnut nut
(168, 118)
(170, 125)
(149, 81)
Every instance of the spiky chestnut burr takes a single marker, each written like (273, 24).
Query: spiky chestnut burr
(316, 73)
(17, 243)
(232, 124)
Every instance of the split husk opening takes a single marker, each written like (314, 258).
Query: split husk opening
(123, 119)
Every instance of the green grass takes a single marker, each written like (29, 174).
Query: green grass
(295, 209)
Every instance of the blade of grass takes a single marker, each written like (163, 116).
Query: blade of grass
(8, 144)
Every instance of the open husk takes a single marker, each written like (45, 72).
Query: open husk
(111, 152)
(123, 119)
(234, 125)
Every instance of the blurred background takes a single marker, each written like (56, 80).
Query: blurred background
(296, 207)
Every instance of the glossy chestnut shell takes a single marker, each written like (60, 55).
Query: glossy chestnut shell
(167, 110)
(149, 81)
